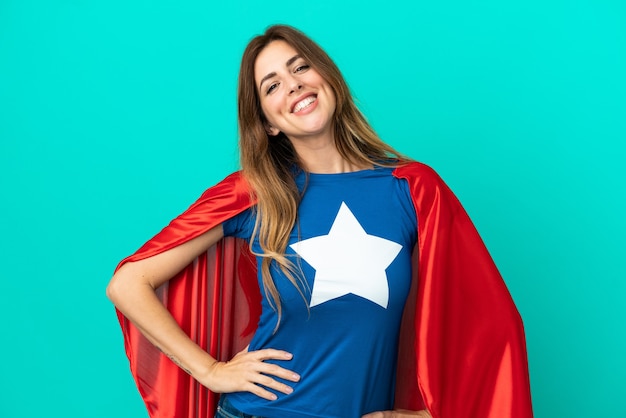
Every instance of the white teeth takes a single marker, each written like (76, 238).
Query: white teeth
(303, 103)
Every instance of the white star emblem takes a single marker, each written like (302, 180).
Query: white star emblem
(348, 260)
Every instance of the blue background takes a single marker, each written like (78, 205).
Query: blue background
(115, 116)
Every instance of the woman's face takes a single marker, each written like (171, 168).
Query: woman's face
(295, 99)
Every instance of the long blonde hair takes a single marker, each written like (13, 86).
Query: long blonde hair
(270, 164)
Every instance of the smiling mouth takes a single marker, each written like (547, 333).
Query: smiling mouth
(304, 103)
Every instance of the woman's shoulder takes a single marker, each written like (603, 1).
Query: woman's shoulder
(416, 171)
(233, 192)
(427, 188)
(236, 177)
(233, 184)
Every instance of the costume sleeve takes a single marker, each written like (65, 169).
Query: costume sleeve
(215, 300)
(469, 346)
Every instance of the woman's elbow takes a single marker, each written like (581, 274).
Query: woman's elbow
(115, 290)
(112, 290)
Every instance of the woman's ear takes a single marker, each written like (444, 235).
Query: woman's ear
(271, 131)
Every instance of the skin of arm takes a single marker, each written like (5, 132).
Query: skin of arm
(132, 290)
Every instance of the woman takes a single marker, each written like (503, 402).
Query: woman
(332, 215)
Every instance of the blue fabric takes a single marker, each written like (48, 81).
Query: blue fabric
(344, 336)
(226, 410)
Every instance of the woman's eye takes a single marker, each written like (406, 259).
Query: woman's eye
(301, 68)
(271, 88)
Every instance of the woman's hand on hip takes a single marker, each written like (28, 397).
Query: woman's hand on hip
(248, 372)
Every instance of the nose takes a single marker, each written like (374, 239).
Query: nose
(294, 85)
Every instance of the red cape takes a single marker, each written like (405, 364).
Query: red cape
(462, 348)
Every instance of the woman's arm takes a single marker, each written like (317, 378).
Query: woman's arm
(132, 290)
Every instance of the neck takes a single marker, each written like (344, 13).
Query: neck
(321, 156)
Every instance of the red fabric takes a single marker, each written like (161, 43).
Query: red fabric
(462, 348)
(470, 347)
(216, 301)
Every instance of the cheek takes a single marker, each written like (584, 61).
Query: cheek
(270, 108)
(332, 99)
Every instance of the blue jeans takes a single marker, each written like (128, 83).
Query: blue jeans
(226, 410)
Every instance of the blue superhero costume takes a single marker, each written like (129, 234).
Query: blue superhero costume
(353, 241)
(461, 351)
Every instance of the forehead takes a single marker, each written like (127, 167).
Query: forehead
(273, 58)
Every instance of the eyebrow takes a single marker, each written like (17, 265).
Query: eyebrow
(273, 74)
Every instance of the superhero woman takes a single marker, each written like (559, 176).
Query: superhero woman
(330, 277)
